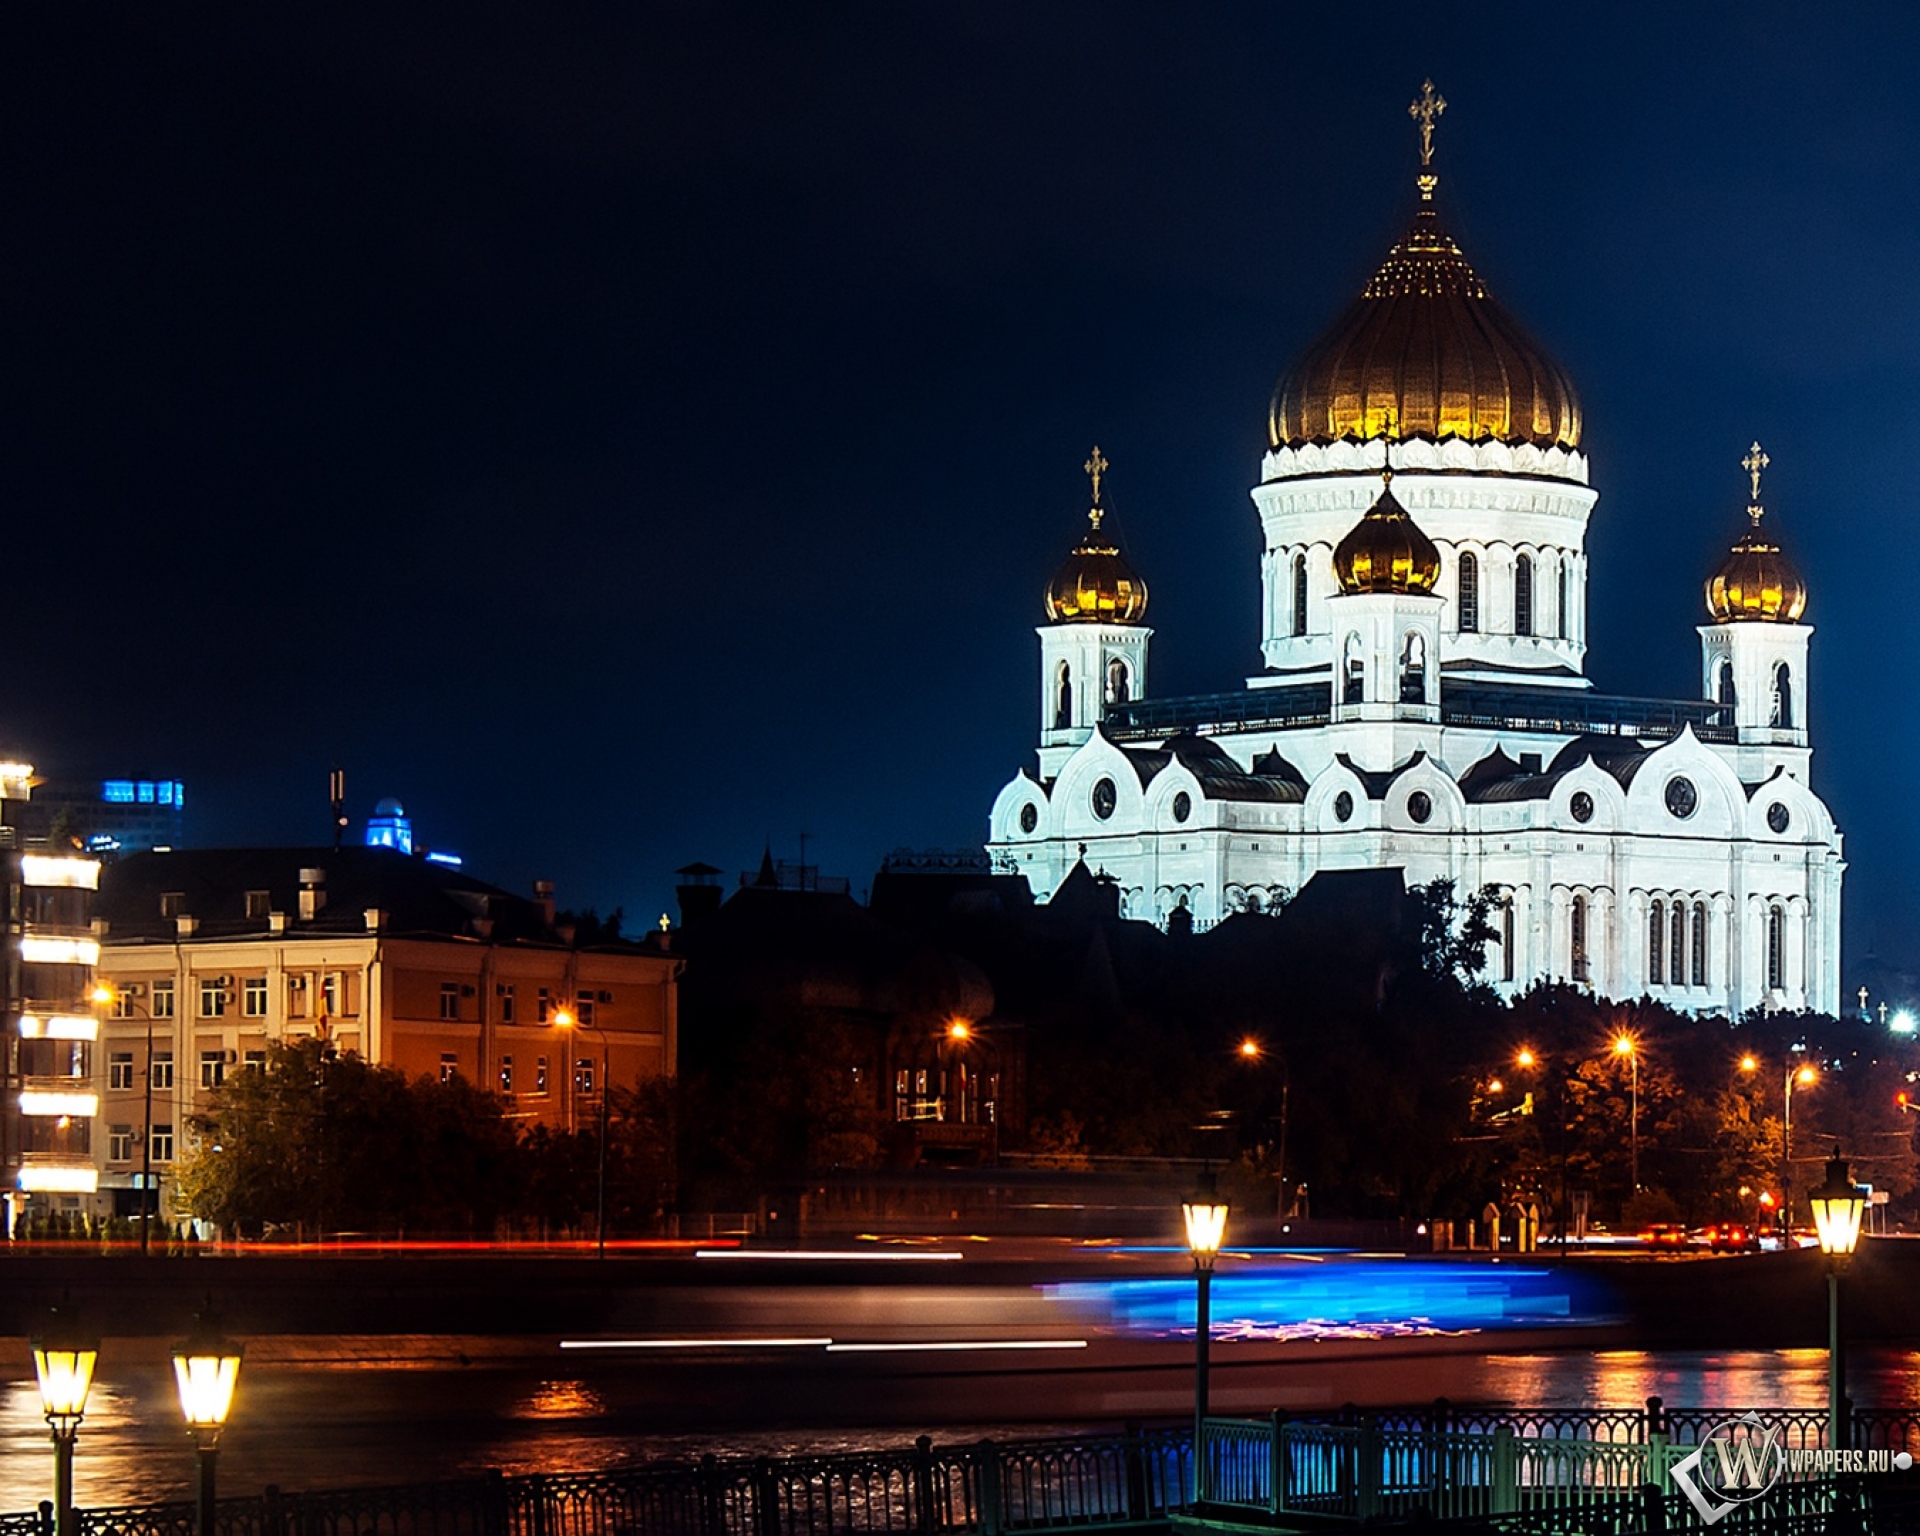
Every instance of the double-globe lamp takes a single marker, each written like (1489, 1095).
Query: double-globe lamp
(1838, 1206)
(206, 1368)
(1206, 1218)
(63, 1361)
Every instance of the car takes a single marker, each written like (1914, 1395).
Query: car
(1732, 1237)
(1664, 1234)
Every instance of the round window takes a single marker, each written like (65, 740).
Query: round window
(1029, 816)
(1581, 805)
(1182, 806)
(1343, 806)
(1105, 798)
(1777, 817)
(1420, 806)
(1682, 798)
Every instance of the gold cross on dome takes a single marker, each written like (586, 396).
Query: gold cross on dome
(1755, 461)
(1424, 111)
(1095, 468)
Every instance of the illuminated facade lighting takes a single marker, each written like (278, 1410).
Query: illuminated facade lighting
(39, 949)
(58, 1026)
(58, 1179)
(43, 872)
(44, 1102)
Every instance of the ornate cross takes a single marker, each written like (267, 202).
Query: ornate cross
(1424, 112)
(1755, 461)
(1095, 468)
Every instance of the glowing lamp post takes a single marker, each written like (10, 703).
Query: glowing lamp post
(565, 1019)
(1838, 1206)
(1623, 1045)
(63, 1364)
(205, 1369)
(1206, 1218)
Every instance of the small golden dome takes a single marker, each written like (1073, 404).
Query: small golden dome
(1094, 584)
(1426, 352)
(1756, 582)
(1386, 551)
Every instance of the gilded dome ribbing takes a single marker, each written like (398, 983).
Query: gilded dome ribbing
(1094, 584)
(1427, 352)
(1386, 552)
(1756, 582)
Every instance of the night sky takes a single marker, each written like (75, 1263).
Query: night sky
(632, 437)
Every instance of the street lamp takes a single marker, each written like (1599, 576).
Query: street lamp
(1206, 1218)
(206, 1368)
(105, 996)
(63, 1361)
(1623, 1045)
(1838, 1206)
(565, 1019)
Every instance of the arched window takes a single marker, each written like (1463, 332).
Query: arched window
(1523, 595)
(1577, 937)
(1723, 687)
(1506, 938)
(1699, 943)
(1299, 594)
(1119, 688)
(1063, 697)
(1776, 948)
(1656, 932)
(1469, 593)
(1413, 671)
(1354, 687)
(1560, 597)
(1783, 697)
(1677, 950)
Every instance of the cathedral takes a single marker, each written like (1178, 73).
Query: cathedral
(1422, 702)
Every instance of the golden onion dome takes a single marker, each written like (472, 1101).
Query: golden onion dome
(1386, 551)
(1426, 351)
(1756, 582)
(1094, 584)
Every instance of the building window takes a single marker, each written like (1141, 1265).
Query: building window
(330, 995)
(259, 904)
(1724, 687)
(163, 999)
(213, 1068)
(213, 997)
(253, 997)
(449, 999)
(297, 996)
(506, 1074)
(1560, 598)
(255, 1061)
(160, 1143)
(123, 1004)
(505, 993)
(1354, 686)
(584, 1006)
(1656, 928)
(1063, 697)
(1506, 938)
(1577, 937)
(173, 903)
(1677, 951)
(162, 1073)
(543, 1006)
(1783, 697)
(1469, 594)
(1776, 949)
(539, 1074)
(1699, 943)
(583, 1075)
(119, 1143)
(1523, 595)
(120, 1069)
(449, 1066)
(1119, 685)
(1299, 595)
(1413, 671)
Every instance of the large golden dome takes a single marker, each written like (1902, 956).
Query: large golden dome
(1094, 584)
(1425, 351)
(1756, 582)
(1386, 552)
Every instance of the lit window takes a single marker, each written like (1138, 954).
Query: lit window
(160, 1141)
(539, 1074)
(213, 1068)
(583, 1074)
(143, 791)
(164, 790)
(449, 999)
(117, 791)
(119, 1143)
(253, 997)
(162, 1069)
(506, 1074)
(120, 1069)
(449, 1067)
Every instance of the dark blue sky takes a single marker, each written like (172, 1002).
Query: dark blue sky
(631, 438)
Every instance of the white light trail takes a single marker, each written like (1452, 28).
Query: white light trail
(955, 1344)
(752, 1343)
(831, 1255)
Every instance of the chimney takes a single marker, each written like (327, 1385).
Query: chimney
(543, 899)
(313, 893)
(276, 922)
(184, 925)
(376, 919)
